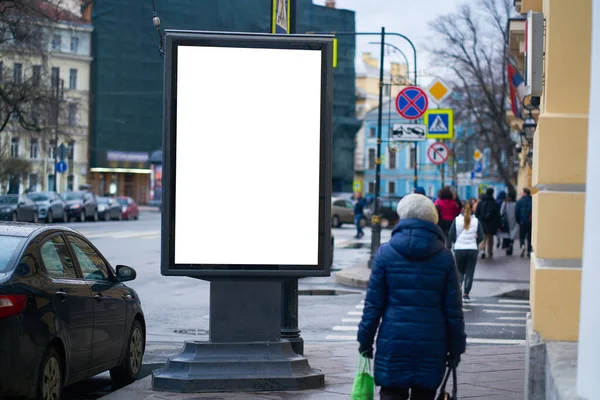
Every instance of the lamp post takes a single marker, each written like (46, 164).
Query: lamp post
(58, 92)
(376, 220)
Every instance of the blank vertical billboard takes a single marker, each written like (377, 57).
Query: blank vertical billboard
(247, 155)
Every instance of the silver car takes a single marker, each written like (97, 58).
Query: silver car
(51, 207)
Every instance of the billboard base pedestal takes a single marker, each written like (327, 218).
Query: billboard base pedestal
(245, 351)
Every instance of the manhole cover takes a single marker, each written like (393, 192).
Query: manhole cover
(325, 292)
(193, 332)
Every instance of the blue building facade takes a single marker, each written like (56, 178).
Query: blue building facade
(399, 158)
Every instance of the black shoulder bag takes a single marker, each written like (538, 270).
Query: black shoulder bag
(445, 395)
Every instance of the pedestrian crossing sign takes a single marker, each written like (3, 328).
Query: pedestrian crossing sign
(440, 123)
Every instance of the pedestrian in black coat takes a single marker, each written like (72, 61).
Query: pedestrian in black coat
(488, 213)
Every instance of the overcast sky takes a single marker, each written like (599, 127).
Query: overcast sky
(408, 17)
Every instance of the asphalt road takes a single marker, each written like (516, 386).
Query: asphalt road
(176, 308)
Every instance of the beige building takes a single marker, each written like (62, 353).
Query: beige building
(64, 62)
(367, 98)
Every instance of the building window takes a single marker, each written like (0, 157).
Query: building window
(391, 187)
(55, 76)
(18, 73)
(71, 146)
(70, 180)
(371, 132)
(51, 182)
(72, 79)
(371, 189)
(14, 147)
(33, 182)
(392, 159)
(34, 148)
(51, 148)
(412, 158)
(371, 159)
(36, 75)
(35, 112)
(56, 42)
(74, 44)
(72, 114)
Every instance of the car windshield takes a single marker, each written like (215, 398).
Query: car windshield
(73, 196)
(9, 199)
(122, 201)
(9, 247)
(39, 196)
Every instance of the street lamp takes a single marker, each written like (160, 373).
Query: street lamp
(529, 127)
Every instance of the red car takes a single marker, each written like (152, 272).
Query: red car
(129, 209)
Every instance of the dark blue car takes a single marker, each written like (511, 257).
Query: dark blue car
(65, 314)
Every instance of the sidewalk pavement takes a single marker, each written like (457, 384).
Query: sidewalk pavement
(500, 276)
(490, 373)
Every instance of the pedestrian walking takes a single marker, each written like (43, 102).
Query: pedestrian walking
(448, 210)
(499, 201)
(414, 306)
(523, 212)
(488, 214)
(359, 212)
(459, 203)
(509, 221)
(466, 233)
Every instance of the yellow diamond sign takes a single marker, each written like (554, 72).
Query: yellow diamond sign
(438, 90)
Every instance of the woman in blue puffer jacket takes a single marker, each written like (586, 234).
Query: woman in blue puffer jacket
(414, 293)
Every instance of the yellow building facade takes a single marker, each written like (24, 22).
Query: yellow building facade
(562, 176)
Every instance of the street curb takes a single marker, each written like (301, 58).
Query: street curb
(516, 294)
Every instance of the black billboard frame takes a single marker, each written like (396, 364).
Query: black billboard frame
(176, 38)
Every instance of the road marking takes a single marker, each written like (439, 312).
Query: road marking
(466, 310)
(360, 306)
(496, 341)
(355, 313)
(341, 337)
(514, 301)
(503, 312)
(345, 328)
(513, 318)
(350, 319)
(499, 305)
(493, 324)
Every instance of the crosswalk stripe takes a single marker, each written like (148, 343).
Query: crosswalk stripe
(466, 310)
(493, 324)
(496, 341)
(350, 319)
(498, 305)
(345, 328)
(503, 312)
(341, 337)
(355, 313)
(514, 301)
(512, 318)
(360, 306)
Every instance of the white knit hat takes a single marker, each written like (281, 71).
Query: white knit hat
(417, 206)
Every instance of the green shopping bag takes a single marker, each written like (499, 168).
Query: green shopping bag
(364, 385)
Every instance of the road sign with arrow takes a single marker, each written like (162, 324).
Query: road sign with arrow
(438, 153)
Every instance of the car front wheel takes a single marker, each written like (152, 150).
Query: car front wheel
(129, 369)
(82, 216)
(50, 383)
(336, 222)
(36, 218)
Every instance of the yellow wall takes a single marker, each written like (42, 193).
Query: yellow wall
(559, 160)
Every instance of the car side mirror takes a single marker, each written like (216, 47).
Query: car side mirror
(125, 274)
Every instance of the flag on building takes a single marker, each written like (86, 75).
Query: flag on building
(517, 89)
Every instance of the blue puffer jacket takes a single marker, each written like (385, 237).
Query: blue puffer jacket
(414, 291)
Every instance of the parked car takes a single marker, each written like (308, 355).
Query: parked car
(108, 209)
(65, 314)
(342, 212)
(387, 210)
(129, 208)
(81, 205)
(51, 207)
(15, 207)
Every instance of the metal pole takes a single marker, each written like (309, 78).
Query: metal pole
(443, 174)
(416, 166)
(376, 223)
(57, 113)
(289, 287)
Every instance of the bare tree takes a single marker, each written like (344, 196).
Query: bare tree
(11, 166)
(472, 47)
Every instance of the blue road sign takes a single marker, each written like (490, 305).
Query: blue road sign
(412, 102)
(61, 167)
(472, 175)
(440, 124)
(478, 167)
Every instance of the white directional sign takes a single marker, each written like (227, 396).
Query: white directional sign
(408, 132)
(438, 153)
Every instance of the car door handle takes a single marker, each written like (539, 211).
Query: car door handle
(62, 295)
(99, 297)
